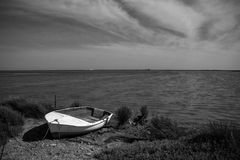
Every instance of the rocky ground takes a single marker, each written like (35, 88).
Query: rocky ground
(35, 144)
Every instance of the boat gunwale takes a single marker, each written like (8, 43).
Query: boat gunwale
(82, 107)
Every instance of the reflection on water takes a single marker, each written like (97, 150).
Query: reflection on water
(187, 96)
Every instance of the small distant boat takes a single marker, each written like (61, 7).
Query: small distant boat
(76, 120)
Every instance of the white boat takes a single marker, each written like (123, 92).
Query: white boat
(76, 120)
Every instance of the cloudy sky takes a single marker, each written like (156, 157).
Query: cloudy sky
(119, 34)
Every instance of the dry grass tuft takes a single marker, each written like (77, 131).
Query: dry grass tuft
(123, 114)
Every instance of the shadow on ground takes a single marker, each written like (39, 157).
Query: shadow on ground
(42, 132)
(106, 134)
(37, 133)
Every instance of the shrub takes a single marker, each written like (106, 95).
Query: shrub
(144, 111)
(141, 119)
(10, 117)
(122, 115)
(75, 104)
(8, 131)
(10, 123)
(3, 133)
(218, 134)
(46, 107)
(28, 109)
(163, 127)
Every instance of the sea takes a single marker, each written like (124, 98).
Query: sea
(188, 97)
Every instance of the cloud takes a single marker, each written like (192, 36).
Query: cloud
(196, 19)
(104, 14)
(221, 17)
(179, 23)
(168, 15)
(187, 34)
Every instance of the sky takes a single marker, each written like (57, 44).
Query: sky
(119, 34)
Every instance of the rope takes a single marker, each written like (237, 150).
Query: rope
(58, 127)
(49, 129)
(45, 134)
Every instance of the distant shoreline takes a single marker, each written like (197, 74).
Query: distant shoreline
(113, 70)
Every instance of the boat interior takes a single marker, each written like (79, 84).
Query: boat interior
(87, 114)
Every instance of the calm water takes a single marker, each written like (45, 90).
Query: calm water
(189, 97)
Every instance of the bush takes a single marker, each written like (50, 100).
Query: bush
(28, 109)
(75, 104)
(46, 107)
(10, 117)
(141, 119)
(122, 115)
(144, 111)
(4, 136)
(10, 123)
(163, 127)
(218, 134)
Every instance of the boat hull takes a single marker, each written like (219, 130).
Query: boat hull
(59, 130)
(62, 124)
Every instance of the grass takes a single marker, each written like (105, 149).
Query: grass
(12, 114)
(165, 150)
(10, 117)
(141, 119)
(10, 125)
(163, 138)
(164, 127)
(75, 104)
(218, 134)
(166, 140)
(123, 114)
(26, 108)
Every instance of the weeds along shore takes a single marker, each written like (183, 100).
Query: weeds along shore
(128, 136)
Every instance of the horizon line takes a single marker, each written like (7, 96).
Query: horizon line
(147, 69)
